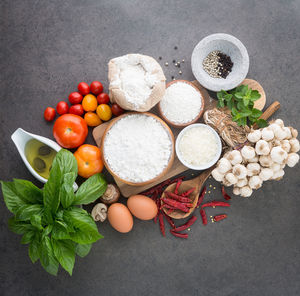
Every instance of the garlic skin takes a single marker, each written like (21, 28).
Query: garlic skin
(278, 175)
(286, 146)
(266, 174)
(278, 154)
(265, 161)
(254, 136)
(279, 122)
(239, 171)
(254, 159)
(224, 165)
(242, 182)
(217, 175)
(234, 157)
(231, 178)
(292, 159)
(262, 147)
(253, 168)
(246, 191)
(255, 182)
(236, 191)
(295, 146)
(280, 134)
(267, 134)
(248, 152)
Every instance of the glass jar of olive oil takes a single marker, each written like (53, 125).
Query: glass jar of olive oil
(40, 157)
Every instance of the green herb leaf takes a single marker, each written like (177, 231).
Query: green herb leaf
(28, 237)
(83, 250)
(220, 104)
(47, 230)
(25, 212)
(47, 258)
(66, 161)
(11, 198)
(66, 194)
(33, 250)
(246, 101)
(60, 230)
(28, 192)
(19, 227)
(255, 95)
(36, 221)
(64, 251)
(90, 190)
(86, 229)
(47, 216)
(262, 123)
(256, 113)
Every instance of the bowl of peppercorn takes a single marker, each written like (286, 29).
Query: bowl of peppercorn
(220, 61)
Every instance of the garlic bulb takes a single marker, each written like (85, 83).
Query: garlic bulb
(248, 152)
(253, 168)
(285, 145)
(234, 157)
(262, 147)
(246, 191)
(278, 175)
(295, 147)
(255, 182)
(279, 122)
(242, 182)
(267, 134)
(265, 161)
(278, 154)
(294, 132)
(231, 178)
(274, 127)
(239, 171)
(275, 167)
(254, 159)
(224, 165)
(236, 190)
(292, 159)
(287, 132)
(280, 134)
(217, 175)
(254, 136)
(266, 174)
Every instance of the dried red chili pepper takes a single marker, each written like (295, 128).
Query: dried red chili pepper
(181, 235)
(220, 217)
(216, 204)
(189, 223)
(203, 216)
(177, 186)
(225, 195)
(201, 196)
(175, 204)
(161, 223)
(177, 197)
(170, 220)
(188, 192)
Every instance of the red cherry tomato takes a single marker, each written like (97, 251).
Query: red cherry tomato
(116, 109)
(75, 97)
(83, 88)
(49, 114)
(76, 109)
(103, 98)
(62, 108)
(96, 87)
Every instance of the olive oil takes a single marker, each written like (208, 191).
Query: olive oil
(40, 157)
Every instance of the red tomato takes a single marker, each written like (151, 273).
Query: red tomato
(49, 114)
(103, 98)
(70, 130)
(62, 108)
(96, 87)
(75, 97)
(76, 109)
(83, 88)
(116, 109)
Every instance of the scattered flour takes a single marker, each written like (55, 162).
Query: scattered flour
(181, 103)
(137, 148)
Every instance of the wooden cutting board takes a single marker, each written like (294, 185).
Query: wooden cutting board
(177, 168)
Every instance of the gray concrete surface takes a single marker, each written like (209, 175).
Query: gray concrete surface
(47, 47)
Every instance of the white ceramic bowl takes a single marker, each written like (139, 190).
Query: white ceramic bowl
(207, 165)
(230, 46)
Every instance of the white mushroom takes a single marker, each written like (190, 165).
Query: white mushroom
(278, 154)
(254, 136)
(266, 174)
(265, 160)
(278, 175)
(217, 175)
(99, 212)
(292, 159)
(224, 165)
(239, 171)
(111, 194)
(236, 190)
(262, 147)
(248, 152)
(245, 191)
(231, 178)
(285, 145)
(267, 134)
(255, 182)
(242, 182)
(253, 168)
(234, 157)
(295, 147)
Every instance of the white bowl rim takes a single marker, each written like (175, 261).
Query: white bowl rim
(209, 164)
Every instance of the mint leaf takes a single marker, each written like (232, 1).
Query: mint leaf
(262, 123)
(255, 95)
(24, 213)
(220, 104)
(256, 113)
(28, 191)
(64, 251)
(47, 258)
(19, 227)
(90, 190)
(33, 250)
(66, 194)
(245, 101)
(36, 221)
(82, 250)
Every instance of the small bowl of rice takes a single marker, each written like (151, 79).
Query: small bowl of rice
(198, 146)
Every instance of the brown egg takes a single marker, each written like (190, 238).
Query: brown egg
(142, 207)
(120, 218)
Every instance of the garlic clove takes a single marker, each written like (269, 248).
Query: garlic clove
(246, 191)
(248, 152)
(285, 145)
(231, 178)
(266, 174)
(292, 160)
(267, 134)
(242, 182)
(239, 171)
(278, 154)
(254, 136)
(224, 165)
(262, 147)
(217, 175)
(279, 122)
(255, 182)
(295, 146)
(236, 191)
(253, 168)
(234, 157)
(265, 160)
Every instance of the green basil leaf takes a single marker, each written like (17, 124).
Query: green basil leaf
(47, 216)
(83, 250)
(64, 251)
(28, 191)
(11, 198)
(256, 113)
(60, 230)
(36, 221)
(28, 237)
(262, 123)
(19, 227)
(25, 212)
(33, 250)
(47, 231)
(47, 258)
(255, 95)
(66, 161)
(86, 231)
(66, 194)
(90, 190)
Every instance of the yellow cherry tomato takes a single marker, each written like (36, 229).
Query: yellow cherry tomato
(92, 119)
(104, 112)
(89, 103)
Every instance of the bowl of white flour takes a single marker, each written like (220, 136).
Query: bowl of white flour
(138, 148)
